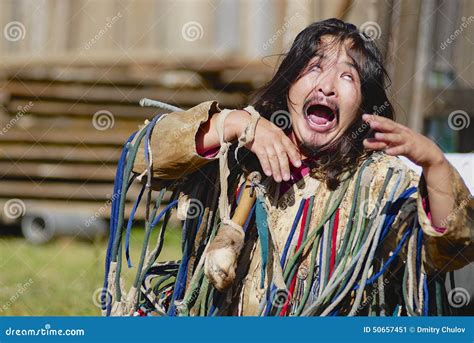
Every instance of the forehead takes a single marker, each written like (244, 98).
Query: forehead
(333, 48)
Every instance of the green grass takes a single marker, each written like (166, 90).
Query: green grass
(60, 278)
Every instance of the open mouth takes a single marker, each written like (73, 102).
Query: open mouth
(320, 117)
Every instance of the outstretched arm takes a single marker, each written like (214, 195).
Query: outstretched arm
(178, 141)
(273, 148)
(396, 139)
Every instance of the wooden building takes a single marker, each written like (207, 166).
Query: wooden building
(63, 63)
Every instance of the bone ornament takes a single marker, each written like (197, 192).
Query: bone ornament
(224, 250)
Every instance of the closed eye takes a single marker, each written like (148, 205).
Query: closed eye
(316, 67)
(348, 76)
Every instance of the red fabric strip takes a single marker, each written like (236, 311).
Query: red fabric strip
(334, 241)
(208, 153)
(298, 244)
(426, 208)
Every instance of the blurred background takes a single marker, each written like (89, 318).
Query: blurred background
(72, 73)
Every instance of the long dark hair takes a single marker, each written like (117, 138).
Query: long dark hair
(347, 151)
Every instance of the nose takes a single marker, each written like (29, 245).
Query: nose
(326, 85)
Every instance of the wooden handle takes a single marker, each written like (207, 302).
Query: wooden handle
(246, 200)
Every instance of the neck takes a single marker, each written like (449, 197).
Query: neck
(306, 154)
(297, 142)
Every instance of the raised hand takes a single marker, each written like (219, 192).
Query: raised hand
(274, 150)
(397, 139)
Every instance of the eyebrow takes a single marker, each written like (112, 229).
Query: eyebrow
(350, 64)
(322, 57)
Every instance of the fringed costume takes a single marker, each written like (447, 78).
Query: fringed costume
(366, 248)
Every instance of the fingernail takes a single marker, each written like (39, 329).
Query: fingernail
(367, 116)
(298, 164)
(286, 177)
(268, 172)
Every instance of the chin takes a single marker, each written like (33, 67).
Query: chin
(318, 123)
(312, 138)
(315, 142)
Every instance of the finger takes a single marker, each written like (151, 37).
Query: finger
(274, 163)
(390, 138)
(396, 150)
(373, 117)
(265, 163)
(374, 144)
(284, 165)
(292, 152)
(381, 124)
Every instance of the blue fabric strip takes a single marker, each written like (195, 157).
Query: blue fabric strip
(113, 219)
(129, 226)
(262, 228)
(292, 233)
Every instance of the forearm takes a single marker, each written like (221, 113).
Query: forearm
(207, 137)
(440, 195)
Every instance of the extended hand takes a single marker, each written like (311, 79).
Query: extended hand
(274, 150)
(396, 139)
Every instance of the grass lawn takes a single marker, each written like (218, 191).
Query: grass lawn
(60, 278)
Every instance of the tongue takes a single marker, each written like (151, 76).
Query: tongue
(318, 120)
(320, 117)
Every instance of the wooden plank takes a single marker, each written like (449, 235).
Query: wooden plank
(59, 170)
(184, 97)
(69, 66)
(89, 74)
(81, 154)
(94, 137)
(246, 76)
(56, 108)
(60, 190)
(68, 123)
(447, 101)
(100, 209)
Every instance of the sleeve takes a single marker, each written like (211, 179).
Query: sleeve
(450, 247)
(173, 143)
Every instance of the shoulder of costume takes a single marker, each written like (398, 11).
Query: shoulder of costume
(382, 162)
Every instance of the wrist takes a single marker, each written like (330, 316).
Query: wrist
(235, 124)
(437, 168)
(438, 160)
